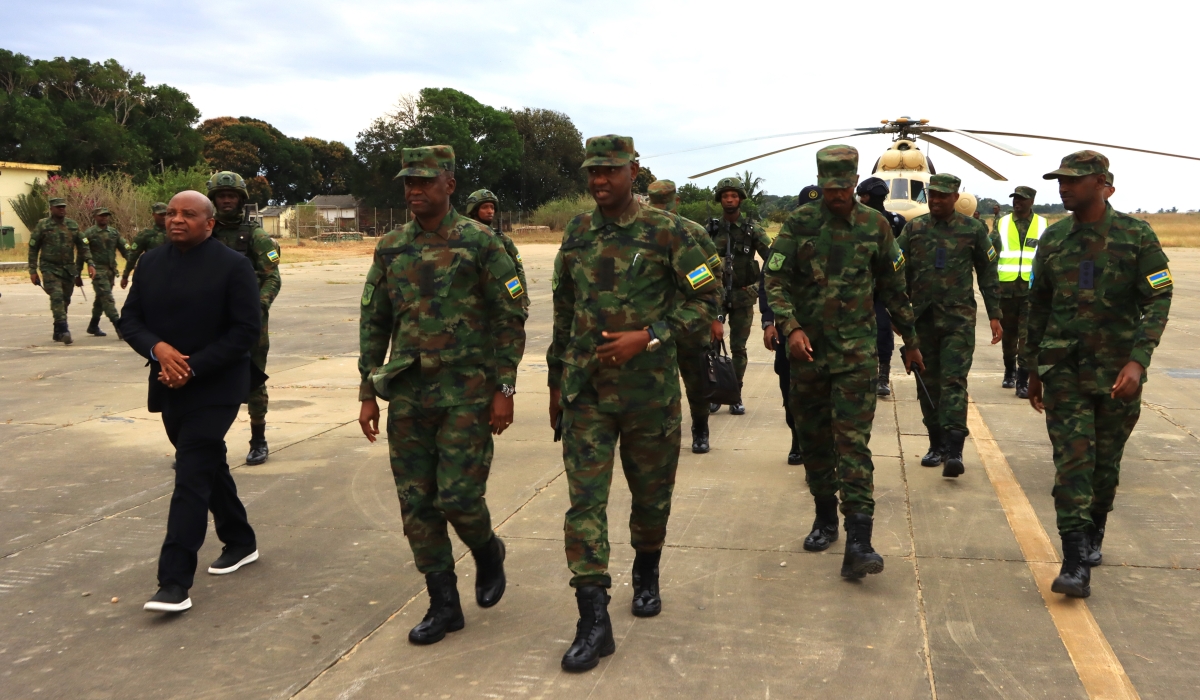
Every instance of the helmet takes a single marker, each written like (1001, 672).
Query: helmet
(729, 183)
(227, 180)
(477, 198)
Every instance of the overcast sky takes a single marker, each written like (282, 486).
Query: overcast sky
(681, 75)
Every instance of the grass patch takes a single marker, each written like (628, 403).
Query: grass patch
(311, 251)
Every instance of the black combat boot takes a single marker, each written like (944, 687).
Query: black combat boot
(883, 385)
(933, 457)
(94, 328)
(593, 632)
(1075, 578)
(1022, 383)
(646, 600)
(64, 335)
(795, 456)
(825, 526)
(57, 331)
(700, 434)
(258, 444)
(1010, 374)
(952, 453)
(1096, 538)
(860, 558)
(489, 573)
(445, 612)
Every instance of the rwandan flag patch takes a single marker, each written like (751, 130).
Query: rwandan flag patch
(514, 287)
(1159, 279)
(699, 277)
(992, 254)
(272, 256)
(714, 261)
(898, 263)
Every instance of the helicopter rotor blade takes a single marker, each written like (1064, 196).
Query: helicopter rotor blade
(771, 153)
(994, 144)
(1086, 143)
(979, 165)
(756, 138)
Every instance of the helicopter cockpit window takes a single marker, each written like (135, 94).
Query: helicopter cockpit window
(918, 191)
(900, 188)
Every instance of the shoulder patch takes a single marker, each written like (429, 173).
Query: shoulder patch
(368, 293)
(273, 256)
(992, 254)
(514, 287)
(133, 246)
(714, 261)
(898, 262)
(1159, 279)
(700, 276)
(776, 262)
(518, 257)
(85, 240)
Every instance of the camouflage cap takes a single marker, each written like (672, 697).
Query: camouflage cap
(609, 150)
(477, 198)
(57, 202)
(662, 195)
(1109, 179)
(426, 161)
(729, 183)
(101, 210)
(1024, 192)
(158, 208)
(1080, 163)
(944, 182)
(837, 166)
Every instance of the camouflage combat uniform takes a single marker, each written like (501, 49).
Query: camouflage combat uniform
(1099, 298)
(105, 243)
(940, 256)
(447, 301)
(822, 277)
(145, 240)
(263, 253)
(474, 201)
(692, 348)
(741, 239)
(640, 270)
(52, 251)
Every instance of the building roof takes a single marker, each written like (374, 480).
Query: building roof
(272, 211)
(30, 166)
(334, 201)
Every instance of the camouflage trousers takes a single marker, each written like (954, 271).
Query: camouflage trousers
(256, 404)
(103, 303)
(649, 457)
(947, 348)
(741, 320)
(833, 415)
(693, 367)
(1014, 323)
(440, 461)
(60, 286)
(1088, 432)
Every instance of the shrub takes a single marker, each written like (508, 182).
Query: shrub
(558, 212)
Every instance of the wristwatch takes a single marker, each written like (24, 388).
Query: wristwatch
(654, 343)
(767, 324)
(721, 318)
(507, 390)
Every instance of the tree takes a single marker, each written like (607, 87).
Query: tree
(690, 193)
(333, 163)
(645, 178)
(485, 141)
(550, 163)
(254, 149)
(751, 185)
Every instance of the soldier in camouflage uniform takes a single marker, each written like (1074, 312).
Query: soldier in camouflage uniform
(629, 282)
(827, 265)
(941, 249)
(446, 296)
(146, 239)
(692, 350)
(105, 242)
(737, 239)
(1099, 298)
(52, 251)
(227, 190)
(481, 206)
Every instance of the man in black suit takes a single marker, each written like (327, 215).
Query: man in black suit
(193, 311)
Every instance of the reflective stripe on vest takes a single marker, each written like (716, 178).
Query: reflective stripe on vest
(1017, 260)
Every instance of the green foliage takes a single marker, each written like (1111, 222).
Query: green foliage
(161, 186)
(558, 212)
(551, 161)
(31, 208)
(689, 193)
(752, 186)
(278, 169)
(92, 117)
(645, 178)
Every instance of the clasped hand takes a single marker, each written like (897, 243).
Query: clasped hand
(174, 370)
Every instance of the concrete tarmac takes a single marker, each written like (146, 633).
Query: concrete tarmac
(85, 482)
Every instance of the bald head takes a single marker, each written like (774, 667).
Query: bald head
(190, 219)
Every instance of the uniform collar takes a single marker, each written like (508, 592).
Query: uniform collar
(626, 218)
(1101, 225)
(443, 229)
(828, 215)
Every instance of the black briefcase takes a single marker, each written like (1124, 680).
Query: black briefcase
(723, 385)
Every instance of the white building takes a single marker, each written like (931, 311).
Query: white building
(17, 179)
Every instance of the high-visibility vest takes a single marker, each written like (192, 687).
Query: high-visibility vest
(1016, 260)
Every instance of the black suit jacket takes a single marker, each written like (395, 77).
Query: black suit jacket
(204, 303)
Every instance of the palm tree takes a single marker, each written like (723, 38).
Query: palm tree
(751, 185)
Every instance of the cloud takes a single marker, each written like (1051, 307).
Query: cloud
(680, 75)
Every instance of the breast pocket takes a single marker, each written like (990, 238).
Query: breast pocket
(1120, 269)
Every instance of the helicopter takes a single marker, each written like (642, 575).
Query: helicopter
(905, 167)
